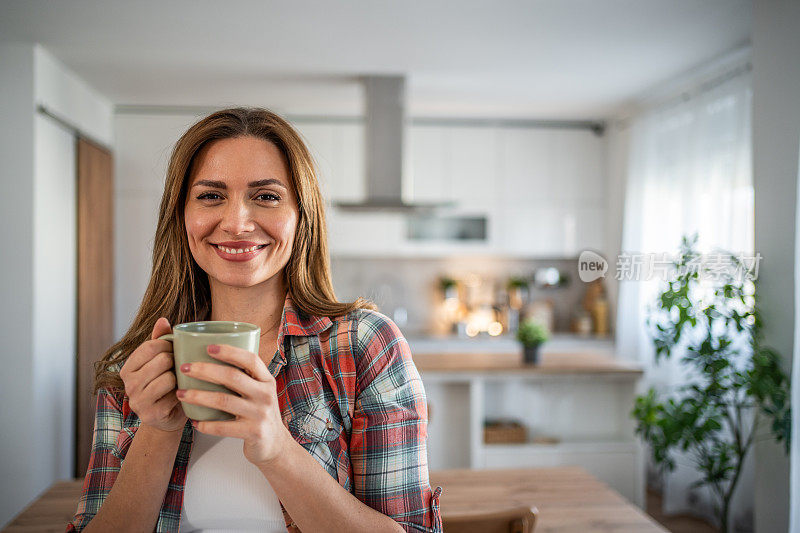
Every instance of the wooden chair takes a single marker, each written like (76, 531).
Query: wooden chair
(513, 520)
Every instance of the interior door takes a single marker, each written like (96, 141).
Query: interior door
(95, 282)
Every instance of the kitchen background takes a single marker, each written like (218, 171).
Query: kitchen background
(540, 192)
(529, 120)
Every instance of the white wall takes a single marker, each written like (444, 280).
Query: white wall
(776, 133)
(617, 149)
(17, 485)
(68, 96)
(794, 484)
(143, 144)
(38, 322)
(54, 297)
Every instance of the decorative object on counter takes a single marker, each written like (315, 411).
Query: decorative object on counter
(503, 431)
(549, 277)
(531, 335)
(740, 388)
(451, 310)
(518, 292)
(543, 312)
(582, 324)
(596, 304)
(449, 287)
(483, 319)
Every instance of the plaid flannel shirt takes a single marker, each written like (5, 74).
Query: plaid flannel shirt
(349, 393)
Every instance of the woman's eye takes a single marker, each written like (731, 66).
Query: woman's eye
(269, 196)
(208, 196)
(264, 197)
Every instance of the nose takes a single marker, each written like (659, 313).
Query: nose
(237, 219)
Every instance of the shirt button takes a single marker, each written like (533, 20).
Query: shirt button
(329, 425)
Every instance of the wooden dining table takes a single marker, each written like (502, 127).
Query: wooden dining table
(568, 499)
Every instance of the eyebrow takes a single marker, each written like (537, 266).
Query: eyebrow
(253, 184)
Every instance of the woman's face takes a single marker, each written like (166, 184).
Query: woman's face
(241, 212)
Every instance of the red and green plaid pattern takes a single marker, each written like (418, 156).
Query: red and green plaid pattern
(350, 395)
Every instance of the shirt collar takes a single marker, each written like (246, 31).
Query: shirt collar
(295, 322)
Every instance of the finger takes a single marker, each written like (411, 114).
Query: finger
(227, 428)
(247, 361)
(165, 405)
(161, 327)
(151, 348)
(155, 367)
(231, 377)
(158, 388)
(160, 363)
(145, 353)
(218, 400)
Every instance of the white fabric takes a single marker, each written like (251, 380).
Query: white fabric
(224, 492)
(689, 171)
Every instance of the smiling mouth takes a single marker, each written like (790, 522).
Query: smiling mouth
(239, 250)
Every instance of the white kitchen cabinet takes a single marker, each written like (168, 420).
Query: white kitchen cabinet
(473, 165)
(578, 168)
(430, 175)
(587, 412)
(367, 233)
(552, 199)
(526, 167)
(541, 190)
(338, 151)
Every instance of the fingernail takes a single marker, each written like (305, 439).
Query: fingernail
(213, 348)
(180, 393)
(186, 367)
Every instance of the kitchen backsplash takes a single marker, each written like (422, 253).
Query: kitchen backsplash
(408, 289)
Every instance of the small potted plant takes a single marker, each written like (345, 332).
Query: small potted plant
(531, 335)
(517, 292)
(448, 286)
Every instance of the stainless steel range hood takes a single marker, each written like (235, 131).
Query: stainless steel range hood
(385, 135)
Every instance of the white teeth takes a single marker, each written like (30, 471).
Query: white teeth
(240, 250)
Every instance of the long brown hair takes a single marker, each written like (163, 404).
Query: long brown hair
(179, 288)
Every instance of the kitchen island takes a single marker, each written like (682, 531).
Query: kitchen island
(574, 405)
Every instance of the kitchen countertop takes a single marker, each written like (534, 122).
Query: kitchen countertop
(564, 354)
(511, 363)
(558, 343)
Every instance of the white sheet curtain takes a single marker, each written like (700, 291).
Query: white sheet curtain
(689, 171)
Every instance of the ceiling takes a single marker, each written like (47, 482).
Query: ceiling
(535, 59)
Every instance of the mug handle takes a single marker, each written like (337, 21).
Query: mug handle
(167, 337)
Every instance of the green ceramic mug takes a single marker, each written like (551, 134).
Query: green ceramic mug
(189, 343)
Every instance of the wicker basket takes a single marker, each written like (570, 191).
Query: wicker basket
(504, 432)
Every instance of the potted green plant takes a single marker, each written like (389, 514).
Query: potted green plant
(715, 325)
(448, 286)
(517, 292)
(531, 335)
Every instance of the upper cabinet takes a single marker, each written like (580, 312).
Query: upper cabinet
(338, 151)
(540, 190)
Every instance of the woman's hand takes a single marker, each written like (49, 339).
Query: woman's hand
(258, 419)
(150, 382)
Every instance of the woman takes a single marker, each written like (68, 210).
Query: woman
(330, 424)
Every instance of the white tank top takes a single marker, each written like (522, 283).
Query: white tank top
(224, 492)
